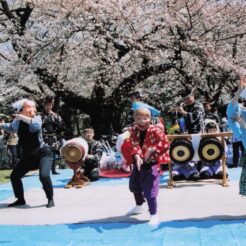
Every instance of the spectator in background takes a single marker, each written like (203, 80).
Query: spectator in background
(193, 112)
(12, 141)
(52, 123)
(224, 125)
(212, 170)
(211, 113)
(91, 164)
(2, 144)
(174, 128)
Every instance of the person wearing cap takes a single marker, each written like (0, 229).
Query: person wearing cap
(236, 115)
(149, 148)
(34, 153)
(193, 113)
(211, 113)
(52, 123)
(212, 170)
(156, 119)
(91, 164)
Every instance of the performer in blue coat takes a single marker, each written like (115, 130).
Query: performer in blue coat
(236, 114)
(34, 154)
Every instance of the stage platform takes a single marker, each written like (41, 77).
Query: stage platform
(192, 213)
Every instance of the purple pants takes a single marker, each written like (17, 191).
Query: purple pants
(145, 184)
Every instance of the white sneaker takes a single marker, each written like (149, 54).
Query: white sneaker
(154, 220)
(136, 210)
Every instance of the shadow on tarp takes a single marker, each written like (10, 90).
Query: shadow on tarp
(128, 221)
(137, 233)
(117, 222)
(203, 223)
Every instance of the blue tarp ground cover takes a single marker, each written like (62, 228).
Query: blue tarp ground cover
(172, 233)
(175, 233)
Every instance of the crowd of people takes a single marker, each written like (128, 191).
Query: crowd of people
(33, 141)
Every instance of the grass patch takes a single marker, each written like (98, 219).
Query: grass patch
(4, 176)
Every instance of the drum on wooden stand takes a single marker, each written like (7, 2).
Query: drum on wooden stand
(210, 150)
(74, 152)
(181, 151)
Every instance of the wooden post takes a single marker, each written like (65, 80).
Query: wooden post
(224, 168)
(170, 181)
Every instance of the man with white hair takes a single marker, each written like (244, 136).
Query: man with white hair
(34, 154)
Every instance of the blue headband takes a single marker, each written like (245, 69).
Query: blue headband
(140, 105)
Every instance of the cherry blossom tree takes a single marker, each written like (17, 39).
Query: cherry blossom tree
(91, 54)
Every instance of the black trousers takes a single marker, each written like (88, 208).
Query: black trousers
(54, 152)
(13, 155)
(237, 146)
(91, 169)
(33, 159)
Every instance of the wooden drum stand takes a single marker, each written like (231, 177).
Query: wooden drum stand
(221, 137)
(78, 180)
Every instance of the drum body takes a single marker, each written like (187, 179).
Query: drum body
(75, 151)
(210, 150)
(181, 151)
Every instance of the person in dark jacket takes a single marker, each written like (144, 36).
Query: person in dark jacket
(91, 163)
(211, 113)
(193, 113)
(34, 153)
(52, 123)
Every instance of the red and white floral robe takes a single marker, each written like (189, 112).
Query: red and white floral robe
(155, 138)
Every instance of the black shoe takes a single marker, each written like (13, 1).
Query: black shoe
(50, 203)
(194, 177)
(178, 177)
(232, 166)
(55, 173)
(18, 202)
(219, 175)
(205, 175)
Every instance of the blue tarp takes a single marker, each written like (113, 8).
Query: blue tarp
(172, 233)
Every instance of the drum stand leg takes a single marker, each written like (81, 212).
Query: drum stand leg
(170, 181)
(78, 180)
(225, 181)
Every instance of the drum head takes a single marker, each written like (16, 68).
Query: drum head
(210, 150)
(181, 151)
(72, 153)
